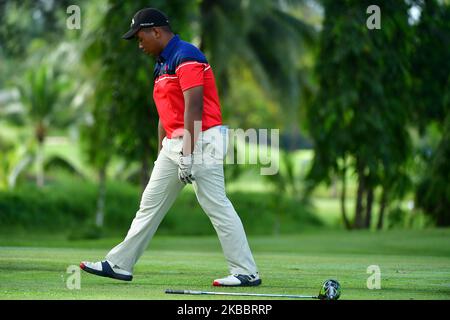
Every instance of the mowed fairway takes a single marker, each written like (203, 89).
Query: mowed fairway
(414, 265)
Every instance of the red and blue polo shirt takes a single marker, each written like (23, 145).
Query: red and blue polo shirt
(179, 67)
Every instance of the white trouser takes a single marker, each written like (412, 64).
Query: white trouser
(164, 187)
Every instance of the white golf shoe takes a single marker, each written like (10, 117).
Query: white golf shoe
(238, 280)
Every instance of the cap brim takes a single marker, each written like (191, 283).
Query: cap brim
(130, 34)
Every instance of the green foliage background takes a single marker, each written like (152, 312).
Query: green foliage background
(373, 104)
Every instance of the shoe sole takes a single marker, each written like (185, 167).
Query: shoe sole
(106, 275)
(248, 284)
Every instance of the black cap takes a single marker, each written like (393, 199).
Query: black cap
(146, 18)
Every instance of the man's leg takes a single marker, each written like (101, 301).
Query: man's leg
(209, 187)
(159, 195)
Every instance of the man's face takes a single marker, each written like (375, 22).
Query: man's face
(148, 40)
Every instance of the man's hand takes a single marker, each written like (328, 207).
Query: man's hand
(184, 169)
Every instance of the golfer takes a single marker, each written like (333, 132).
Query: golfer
(191, 150)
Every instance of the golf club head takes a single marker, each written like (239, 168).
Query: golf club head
(331, 290)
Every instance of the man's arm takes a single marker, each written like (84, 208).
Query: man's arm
(161, 135)
(193, 110)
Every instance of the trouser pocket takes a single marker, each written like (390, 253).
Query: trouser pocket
(216, 143)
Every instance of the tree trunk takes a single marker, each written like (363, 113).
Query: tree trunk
(40, 179)
(369, 203)
(383, 203)
(359, 201)
(40, 133)
(334, 184)
(343, 198)
(100, 215)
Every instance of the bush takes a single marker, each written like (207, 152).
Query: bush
(261, 213)
(433, 193)
(50, 207)
(71, 205)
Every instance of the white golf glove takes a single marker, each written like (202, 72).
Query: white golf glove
(184, 169)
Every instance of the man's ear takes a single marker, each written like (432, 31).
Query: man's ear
(150, 32)
(156, 32)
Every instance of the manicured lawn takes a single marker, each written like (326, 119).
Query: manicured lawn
(414, 265)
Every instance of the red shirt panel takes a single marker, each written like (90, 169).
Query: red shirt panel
(169, 98)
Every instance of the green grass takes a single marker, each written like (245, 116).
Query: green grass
(415, 264)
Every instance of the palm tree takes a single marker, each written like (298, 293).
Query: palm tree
(40, 92)
(263, 36)
(266, 38)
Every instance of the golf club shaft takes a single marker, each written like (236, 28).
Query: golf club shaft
(170, 291)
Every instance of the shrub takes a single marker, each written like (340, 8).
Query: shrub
(70, 204)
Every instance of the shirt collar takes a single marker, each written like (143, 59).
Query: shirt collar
(168, 49)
